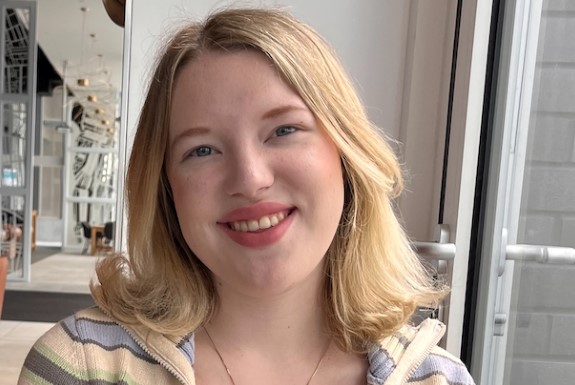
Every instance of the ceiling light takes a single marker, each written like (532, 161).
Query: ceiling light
(83, 82)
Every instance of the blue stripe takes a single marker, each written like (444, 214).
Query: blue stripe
(381, 365)
(187, 347)
(454, 372)
(107, 335)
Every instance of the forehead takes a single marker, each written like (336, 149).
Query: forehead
(218, 82)
(218, 67)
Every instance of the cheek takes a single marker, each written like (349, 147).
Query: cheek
(192, 204)
(328, 163)
(188, 196)
(333, 181)
(321, 171)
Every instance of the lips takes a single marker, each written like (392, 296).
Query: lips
(259, 225)
(262, 223)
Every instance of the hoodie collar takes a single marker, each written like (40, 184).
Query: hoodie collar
(394, 359)
(391, 362)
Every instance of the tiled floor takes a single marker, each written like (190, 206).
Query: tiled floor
(60, 272)
(66, 273)
(16, 339)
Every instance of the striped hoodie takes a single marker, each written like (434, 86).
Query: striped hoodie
(91, 348)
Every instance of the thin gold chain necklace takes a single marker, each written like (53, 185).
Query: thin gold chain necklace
(230, 374)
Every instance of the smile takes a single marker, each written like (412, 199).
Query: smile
(259, 224)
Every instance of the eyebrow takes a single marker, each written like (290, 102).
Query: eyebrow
(270, 114)
(277, 111)
(192, 131)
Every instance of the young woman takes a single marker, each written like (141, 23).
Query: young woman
(263, 247)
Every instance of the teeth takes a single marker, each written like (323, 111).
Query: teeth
(259, 224)
(274, 220)
(253, 225)
(265, 223)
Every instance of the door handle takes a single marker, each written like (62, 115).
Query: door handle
(552, 255)
(438, 252)
(435, 251)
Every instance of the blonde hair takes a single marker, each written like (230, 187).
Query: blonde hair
(374, 280)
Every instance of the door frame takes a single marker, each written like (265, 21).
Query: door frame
(29, 100)
(456, 156)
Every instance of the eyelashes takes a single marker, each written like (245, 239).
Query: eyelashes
(200, 151)
(285, 130)
(206, 150)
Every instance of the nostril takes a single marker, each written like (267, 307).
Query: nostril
(249, 177)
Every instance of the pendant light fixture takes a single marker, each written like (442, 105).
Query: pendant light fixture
(83, 81)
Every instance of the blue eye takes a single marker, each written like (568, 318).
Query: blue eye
(285, 130)
(201, 151)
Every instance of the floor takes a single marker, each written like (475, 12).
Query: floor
(16, 339)
(61, 273)
(67, 273)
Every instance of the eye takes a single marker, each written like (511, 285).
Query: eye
(285, 130)
(200, 151)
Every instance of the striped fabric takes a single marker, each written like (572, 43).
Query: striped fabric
(411, 356)
(90, 348)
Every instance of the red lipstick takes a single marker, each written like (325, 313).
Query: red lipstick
(254, 212)
(260, 238)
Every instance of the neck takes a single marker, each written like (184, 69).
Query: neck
(283, 337)
(293, 319)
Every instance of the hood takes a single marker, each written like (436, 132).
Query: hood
(398, 356)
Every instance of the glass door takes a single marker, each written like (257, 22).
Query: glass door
(17, 114)
(525, 323)
(91, 162)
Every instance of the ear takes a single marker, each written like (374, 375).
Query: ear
(116, 9)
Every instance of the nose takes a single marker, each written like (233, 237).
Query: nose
(250, 173)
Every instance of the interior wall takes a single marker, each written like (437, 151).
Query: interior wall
(424, 113)
(369, 36)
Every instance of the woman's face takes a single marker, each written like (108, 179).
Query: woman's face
(256, 182)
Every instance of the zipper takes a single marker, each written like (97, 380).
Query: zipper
(429, 342)
(412, 361)
(424, 355)
(159, 359)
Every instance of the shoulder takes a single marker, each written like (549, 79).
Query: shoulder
(93, 327)
(411, 355)
(78, 345)
(437, 366)
(441, 367)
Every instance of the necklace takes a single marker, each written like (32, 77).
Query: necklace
(230, 374)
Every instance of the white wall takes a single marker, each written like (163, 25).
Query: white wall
(369, 36)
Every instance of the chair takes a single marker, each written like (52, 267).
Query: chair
(105, 244)
(87, 231)
(34, 224)
(109, 228)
